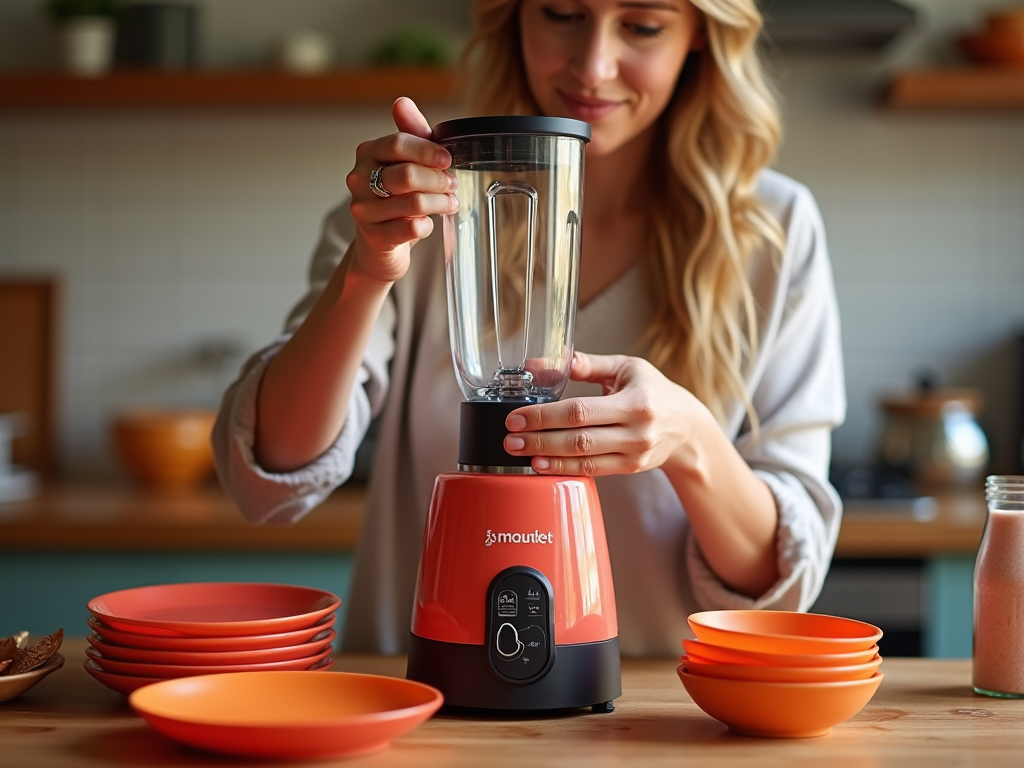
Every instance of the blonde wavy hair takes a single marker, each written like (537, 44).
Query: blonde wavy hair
(719, 131)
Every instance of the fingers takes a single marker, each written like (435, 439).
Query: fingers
(410, 144)
(409, 119)
(565, 414)
(404, 179)
(579, 443)
(412, 172)
(586, 466)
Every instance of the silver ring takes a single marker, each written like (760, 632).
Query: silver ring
(376, 185)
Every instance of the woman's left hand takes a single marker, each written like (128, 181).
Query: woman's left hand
(643, 421)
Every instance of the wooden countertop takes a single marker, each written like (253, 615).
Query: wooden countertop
(924, 713)
(121, 517)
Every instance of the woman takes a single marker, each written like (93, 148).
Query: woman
(709, 375)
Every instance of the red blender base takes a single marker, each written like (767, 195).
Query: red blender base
(585, 675)
(519, 667)
(514, 607)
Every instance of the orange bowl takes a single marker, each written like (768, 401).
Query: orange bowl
(165, 449)
(783, 631)
(286, 715)
(717, 654)
(779, 710)
(782, 674)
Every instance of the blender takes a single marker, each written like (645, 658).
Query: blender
(514, 606)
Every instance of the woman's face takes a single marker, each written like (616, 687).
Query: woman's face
(611, 63)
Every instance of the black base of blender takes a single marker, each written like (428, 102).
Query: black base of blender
(584, 675)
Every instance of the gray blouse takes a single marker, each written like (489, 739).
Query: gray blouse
(796, 386)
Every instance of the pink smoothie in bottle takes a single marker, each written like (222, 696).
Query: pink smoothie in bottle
(999, 592)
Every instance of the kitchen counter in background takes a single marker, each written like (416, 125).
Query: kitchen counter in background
(74, 542)
(127, 518)
(923, 713)
(121, 517)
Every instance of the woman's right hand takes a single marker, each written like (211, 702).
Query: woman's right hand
(414, 173)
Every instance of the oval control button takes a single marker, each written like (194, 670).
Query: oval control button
(507, 641)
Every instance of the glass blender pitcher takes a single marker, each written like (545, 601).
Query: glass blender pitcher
(512, 264)
(514, 606)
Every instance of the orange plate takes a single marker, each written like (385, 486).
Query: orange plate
(120, 683)
(213, 610)
(779, 710)
(781, 674)
(210, 644)
(206, 658)
(783, 631)
(168, 671)
(718, 654)
(286, 715)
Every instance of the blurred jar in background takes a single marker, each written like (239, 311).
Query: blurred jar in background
(932, 436)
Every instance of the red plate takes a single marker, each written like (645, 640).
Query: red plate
(286, 715)
(242, 643)
(215, 609)
(127, 683)
(205, 658)
(168, 671)
(120, 683)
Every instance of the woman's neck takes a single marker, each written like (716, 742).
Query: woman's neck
(614, 186)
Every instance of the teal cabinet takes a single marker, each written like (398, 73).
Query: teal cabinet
(949, 606)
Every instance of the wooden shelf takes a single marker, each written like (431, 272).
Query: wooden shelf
(224, 89)
(958, 88)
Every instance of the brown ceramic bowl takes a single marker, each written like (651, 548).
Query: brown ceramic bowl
(996, 47)
(165, 449)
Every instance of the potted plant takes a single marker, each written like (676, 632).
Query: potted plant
(86, 29)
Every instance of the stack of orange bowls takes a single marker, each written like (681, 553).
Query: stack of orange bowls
(147, 634)
(779, 673)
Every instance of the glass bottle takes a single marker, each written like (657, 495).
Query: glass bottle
(999, 592)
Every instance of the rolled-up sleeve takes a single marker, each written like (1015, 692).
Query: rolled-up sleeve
(799, 396)
(280, 498)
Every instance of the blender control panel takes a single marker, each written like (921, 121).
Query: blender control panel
(520, 624)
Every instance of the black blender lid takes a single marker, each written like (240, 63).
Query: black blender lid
(511, 125)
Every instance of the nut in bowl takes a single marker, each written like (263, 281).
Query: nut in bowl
(24, 664)
(779, 710)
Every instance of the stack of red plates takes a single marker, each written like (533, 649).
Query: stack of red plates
(144, 635)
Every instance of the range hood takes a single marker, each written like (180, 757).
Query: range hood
(835, 24)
